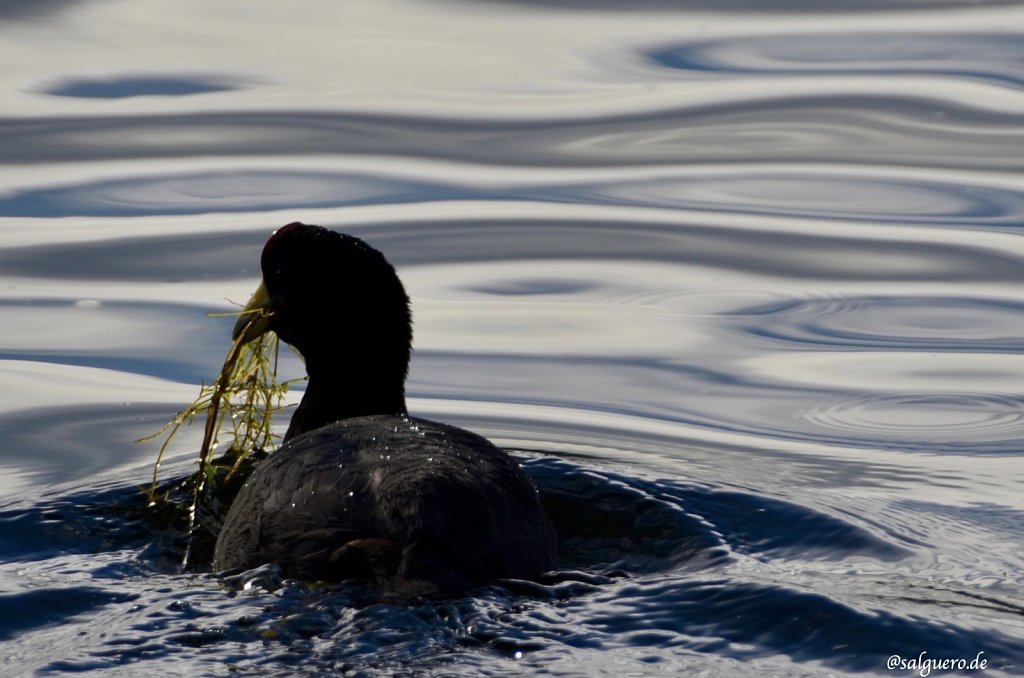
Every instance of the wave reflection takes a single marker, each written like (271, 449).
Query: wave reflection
(827, 127)
(895, 322)
(984, 56)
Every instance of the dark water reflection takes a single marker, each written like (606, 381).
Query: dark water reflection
(661, 563)
(27, 10)
(740, 285)
(120, 88)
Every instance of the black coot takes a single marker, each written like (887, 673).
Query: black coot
(360, 490)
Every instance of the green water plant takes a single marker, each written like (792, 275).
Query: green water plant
(243, 399)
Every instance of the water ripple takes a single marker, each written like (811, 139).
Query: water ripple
(958, 324)
(824, 194)
(921, 420)
(625, 542)
(817, 627)
(826, 127)
(827, 193)
(984, 56)
(235, 191)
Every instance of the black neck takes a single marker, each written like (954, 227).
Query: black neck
(332, 396)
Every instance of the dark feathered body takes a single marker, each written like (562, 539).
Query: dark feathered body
(395, 499)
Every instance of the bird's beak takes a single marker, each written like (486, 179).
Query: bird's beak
(255, 319)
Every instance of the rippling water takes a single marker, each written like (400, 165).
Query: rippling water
(741, 286)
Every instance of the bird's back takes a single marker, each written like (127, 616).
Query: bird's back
(395, 499)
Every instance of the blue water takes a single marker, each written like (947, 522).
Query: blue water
(742, 287)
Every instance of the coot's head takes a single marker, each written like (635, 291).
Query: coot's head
(340, 303)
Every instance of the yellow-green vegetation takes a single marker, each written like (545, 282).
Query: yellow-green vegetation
(244, 396)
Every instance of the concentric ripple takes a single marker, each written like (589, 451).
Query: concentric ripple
(924, 419)
(894, 322)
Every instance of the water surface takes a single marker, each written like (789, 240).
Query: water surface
(741, 287)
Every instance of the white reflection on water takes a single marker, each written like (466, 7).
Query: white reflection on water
(748, 281)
